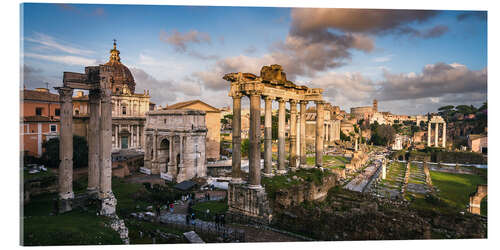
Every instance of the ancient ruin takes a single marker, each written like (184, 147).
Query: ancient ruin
(248, 198)
(98, 80)
(436, 120)
(175, 144)
(476, 198)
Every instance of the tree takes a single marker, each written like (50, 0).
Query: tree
(344, 137)
(465, 109)
(384, 135)
(446, 112)
(245, 147)
(80, 152)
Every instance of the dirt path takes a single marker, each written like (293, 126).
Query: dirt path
(253, 234)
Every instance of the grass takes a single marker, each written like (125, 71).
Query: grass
(455, 189)
(215, 207)
(73, 228)
(277, 182)
(38, 176)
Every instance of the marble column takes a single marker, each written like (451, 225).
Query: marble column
(108, 206)
(293, 134)
(303, 158)
(320, 119)
(147, 154)
(181, 175)
(93, 162)
(116, 136)
(154, 161)
(444, 134)
(429, 131)
(236, 139)
(268, 133)
(66, 149)
(254, 154)
(436, 135)
(281, 136)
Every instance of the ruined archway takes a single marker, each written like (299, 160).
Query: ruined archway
(164, 153)
(476, 198)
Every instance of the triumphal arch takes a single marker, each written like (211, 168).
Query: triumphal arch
(98, 80)
(250, 198)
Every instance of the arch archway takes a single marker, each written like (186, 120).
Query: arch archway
(164, 154)
(476, 198)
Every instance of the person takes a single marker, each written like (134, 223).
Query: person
(192, 218)
(171, 207)
(187, 219)
(207, 213)
(223, 220)
(208, 196)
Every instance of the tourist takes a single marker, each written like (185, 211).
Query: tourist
(207, 213)
(187, 219)
(223, 220)
(192, 218)
(171, 207)
(208, 196)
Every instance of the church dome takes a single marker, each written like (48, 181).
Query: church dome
(122, 78)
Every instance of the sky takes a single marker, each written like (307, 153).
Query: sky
(411, 61)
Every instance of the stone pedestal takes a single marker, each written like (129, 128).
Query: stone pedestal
(108, 205)
(253, 203)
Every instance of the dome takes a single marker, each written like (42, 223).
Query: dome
(122, 77)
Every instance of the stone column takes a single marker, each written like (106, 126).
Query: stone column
(236, 139)
(66, 150)
(137, 141)
(293, 134)
(93, 162)
(171, 163)
(429, 133)
(303, 157)
(444, 134)
(281, 136)
(436, 134)
(116, 136)
(181, 175)
(108, 205)
(319, 132)
(254, 154)
(147, 154)
(355, 143)
(268, 152)
(154, 161)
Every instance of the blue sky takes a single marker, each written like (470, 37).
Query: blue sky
(412, 62)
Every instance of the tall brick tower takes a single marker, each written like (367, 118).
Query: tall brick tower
(375, 106)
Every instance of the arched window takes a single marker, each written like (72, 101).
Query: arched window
(124, 110)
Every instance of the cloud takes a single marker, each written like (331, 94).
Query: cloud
(374, 21)
(49, 42)
(165, 91)
(202, 56)
(250, 50)
(383, 59)
(435, 80)
(436, 31)
(31, 77)
(481, 15)
(180, 41)
(64, 59)
(81, 11)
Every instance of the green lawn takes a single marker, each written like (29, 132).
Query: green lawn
(277, 182)
(73, 228)
(215, 207)
(455, 189)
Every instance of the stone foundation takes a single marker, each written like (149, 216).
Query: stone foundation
(108, 205)
(250, 202)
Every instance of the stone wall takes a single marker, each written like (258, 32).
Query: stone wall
(250, 202)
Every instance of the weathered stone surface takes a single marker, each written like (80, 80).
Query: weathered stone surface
(251, 202)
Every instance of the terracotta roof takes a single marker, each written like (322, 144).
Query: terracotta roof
(182, 105)
(39, 118)
(39, 96)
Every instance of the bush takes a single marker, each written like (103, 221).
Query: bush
(80, 152)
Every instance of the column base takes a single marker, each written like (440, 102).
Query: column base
(93, 192)
(108, 204)
(64, 205)
(269, 175)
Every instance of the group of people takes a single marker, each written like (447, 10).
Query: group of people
(220, 220)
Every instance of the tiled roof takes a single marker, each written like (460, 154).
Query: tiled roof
(39, 96)
(39, 118)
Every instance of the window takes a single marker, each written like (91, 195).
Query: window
(124, 110)
(53, 128)
(39, 111)
(58, 112)
(77, 112)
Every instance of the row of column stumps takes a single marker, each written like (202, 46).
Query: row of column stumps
(296, 160)
(99, 164)
(436, 134)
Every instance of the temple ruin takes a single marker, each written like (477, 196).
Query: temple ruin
(98, 80)
(436, 120)
(249, 198)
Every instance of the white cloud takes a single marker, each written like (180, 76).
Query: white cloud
(49, 42)
(69, 60)
(383, 59)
